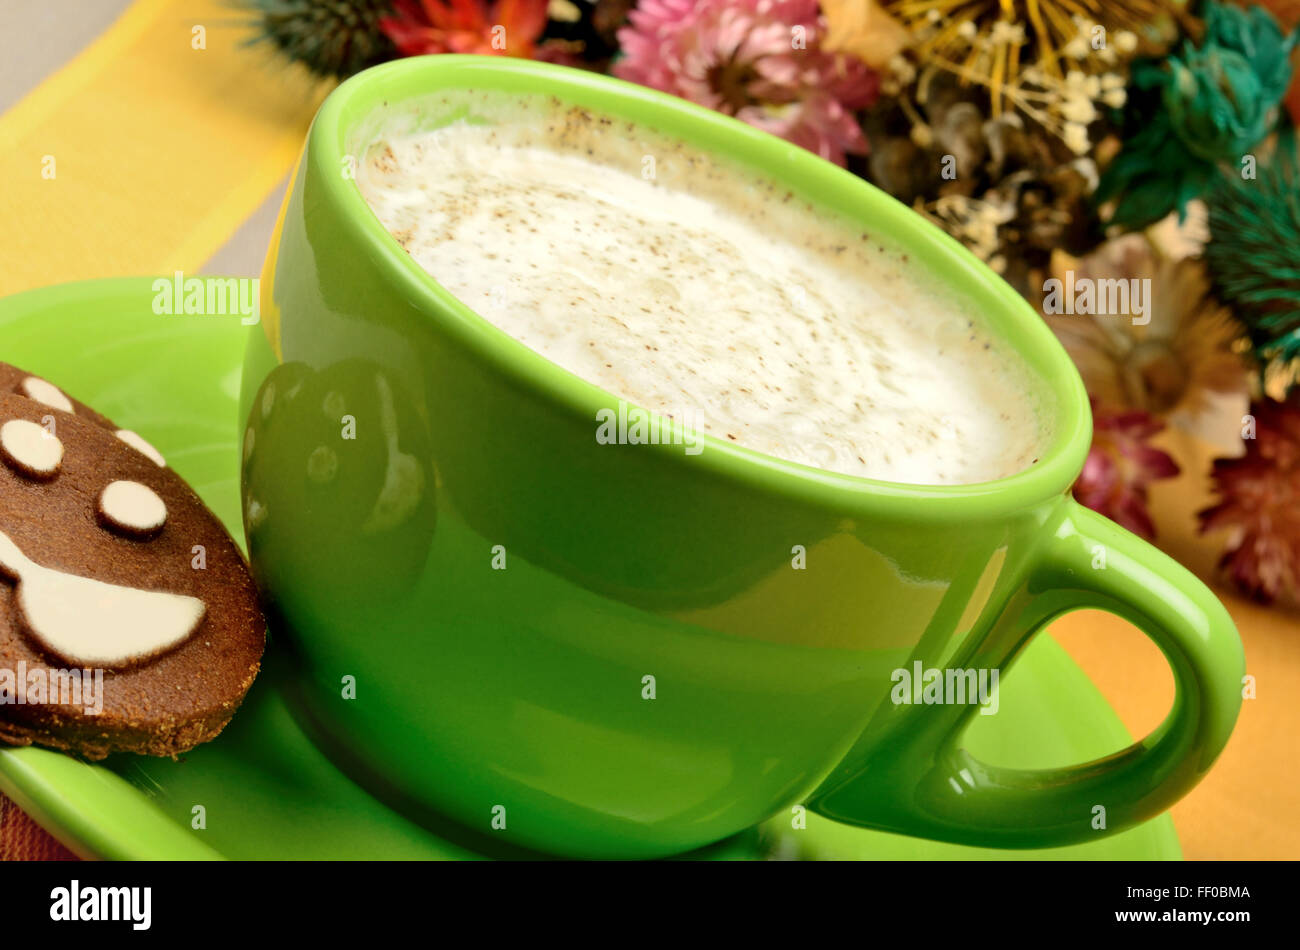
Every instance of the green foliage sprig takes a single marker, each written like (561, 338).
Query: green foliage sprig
(1253, 254)
(1197, 110)
(332, 38)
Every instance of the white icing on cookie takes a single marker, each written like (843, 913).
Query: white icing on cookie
(93, 623)
(36, 388)
(29, 449)
(141, 446)
(132, 507)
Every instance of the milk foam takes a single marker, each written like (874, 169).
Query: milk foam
(679, 283)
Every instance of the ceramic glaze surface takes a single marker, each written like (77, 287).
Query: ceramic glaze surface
(429, 513)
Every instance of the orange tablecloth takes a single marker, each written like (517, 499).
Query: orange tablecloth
(1247, 806)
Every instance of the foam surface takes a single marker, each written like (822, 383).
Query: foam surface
(683, 286)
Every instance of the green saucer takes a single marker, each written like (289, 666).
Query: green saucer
(263, 789)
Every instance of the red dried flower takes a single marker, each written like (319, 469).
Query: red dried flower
(504, 28)
(1260, 503)
(1121, 465)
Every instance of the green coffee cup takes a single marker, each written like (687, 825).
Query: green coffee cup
(611, 650)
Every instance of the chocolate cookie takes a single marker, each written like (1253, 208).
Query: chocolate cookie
(128, 619)
(15, 380)
(23, 383)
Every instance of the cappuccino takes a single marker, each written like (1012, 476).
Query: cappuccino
(697, 288)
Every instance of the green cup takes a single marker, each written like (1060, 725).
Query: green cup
(607, 650)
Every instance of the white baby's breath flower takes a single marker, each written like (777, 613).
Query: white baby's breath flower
(901, 69)
(1088, 169)
(1012, 34)
(1075, 136)
(1078, 109)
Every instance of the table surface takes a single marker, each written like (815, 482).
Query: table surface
(54, 57)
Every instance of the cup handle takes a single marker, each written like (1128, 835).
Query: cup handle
(919, 781)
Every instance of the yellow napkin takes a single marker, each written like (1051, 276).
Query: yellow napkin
(148, 150)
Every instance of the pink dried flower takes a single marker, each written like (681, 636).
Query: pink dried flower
(758, 60)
